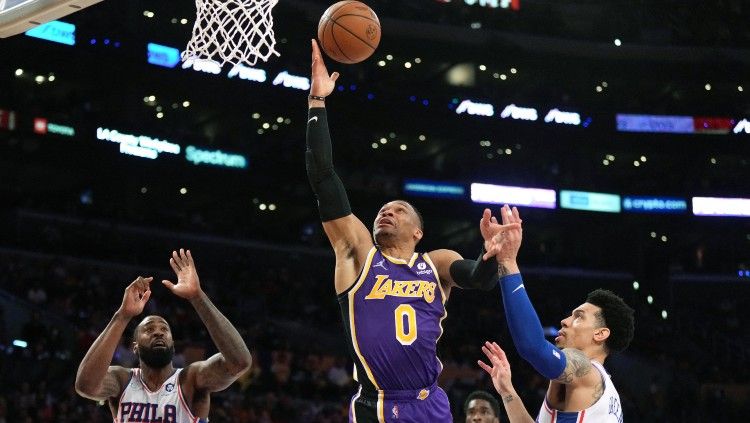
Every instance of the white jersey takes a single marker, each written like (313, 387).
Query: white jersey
(605, 410)
(165, 405)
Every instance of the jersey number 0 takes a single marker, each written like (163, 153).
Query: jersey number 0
(406, 335)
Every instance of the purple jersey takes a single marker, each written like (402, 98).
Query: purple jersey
(393, 316)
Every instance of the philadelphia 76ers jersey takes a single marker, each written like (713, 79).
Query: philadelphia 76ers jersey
(165, 405)
(605, 410)
(393, 316)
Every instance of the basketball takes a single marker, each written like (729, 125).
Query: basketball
(349, 32)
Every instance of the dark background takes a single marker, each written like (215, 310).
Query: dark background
(80, 221)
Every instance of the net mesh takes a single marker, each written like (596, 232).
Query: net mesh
(231, 31)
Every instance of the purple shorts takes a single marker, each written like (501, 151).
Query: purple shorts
(428, 405)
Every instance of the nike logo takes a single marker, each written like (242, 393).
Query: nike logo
(314, 118)
(517, 288)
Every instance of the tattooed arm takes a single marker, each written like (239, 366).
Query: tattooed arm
(96, 379)
(577, 366)
(233, 359)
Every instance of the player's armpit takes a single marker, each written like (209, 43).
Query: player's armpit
(212, 375)
(348, 236)
(577, 368)
(111, 386)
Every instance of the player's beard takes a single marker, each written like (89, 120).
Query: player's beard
(156, 358)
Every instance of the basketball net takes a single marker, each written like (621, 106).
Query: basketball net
(231, 31)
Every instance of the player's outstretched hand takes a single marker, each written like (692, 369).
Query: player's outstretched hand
(322, 84)
(507, 241)
(136, 296)
(188, 285)
(490, 229)
(499, 370)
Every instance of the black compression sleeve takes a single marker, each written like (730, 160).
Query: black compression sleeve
(326, 184)
(475, 274)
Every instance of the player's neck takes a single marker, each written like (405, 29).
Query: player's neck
(154, 378)
(403, 252)
(598, 355)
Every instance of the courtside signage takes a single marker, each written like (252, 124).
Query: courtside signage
(519, 196)
(198, 156)
(641, 204)
(559, 116)
(590, 201)
(519, 113)
(160, 55)
(717, 206)
(247, 73)
(427, 188)
(137, 145)
(477, 109)
(55, 31)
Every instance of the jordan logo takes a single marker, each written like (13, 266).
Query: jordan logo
(381, 263)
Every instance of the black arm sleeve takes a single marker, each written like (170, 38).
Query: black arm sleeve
(326, 184)
(475, 274)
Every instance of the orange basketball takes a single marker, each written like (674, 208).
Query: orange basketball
(349, 31)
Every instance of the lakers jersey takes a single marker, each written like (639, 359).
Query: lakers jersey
(393, 317)
(606, 409)
(165, 405)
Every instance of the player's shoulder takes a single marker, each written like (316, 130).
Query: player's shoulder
(443, 257)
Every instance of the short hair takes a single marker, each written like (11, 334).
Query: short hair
(483, 395)
(135, 330)
(420, 219)
(615, 315)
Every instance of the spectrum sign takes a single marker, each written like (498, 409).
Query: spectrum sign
(198, 156)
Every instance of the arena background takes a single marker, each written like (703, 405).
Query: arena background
(651, 99)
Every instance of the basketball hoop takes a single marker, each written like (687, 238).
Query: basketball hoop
(231, 31)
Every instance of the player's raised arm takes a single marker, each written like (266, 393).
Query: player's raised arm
(348, 235)
(96, 379)
(473, 274)
(499, 371)
(233, 359)
(567, 366)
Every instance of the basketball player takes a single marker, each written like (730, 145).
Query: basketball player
(392, 299)
(156, 391)
(481, 407)
(580, 388)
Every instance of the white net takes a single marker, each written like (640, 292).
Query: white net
(231, 31)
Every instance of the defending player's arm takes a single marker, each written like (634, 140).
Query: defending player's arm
(499, 371)
(348, 235)
(569, 366)
(233, 358)
(96, 379)
(472, 274)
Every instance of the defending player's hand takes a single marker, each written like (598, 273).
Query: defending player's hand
(491, 229)
(507, 241)
(136, 296)
(322, 84)
(188, 285)
(500, 369)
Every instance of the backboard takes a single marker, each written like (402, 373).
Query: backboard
(17, 16)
